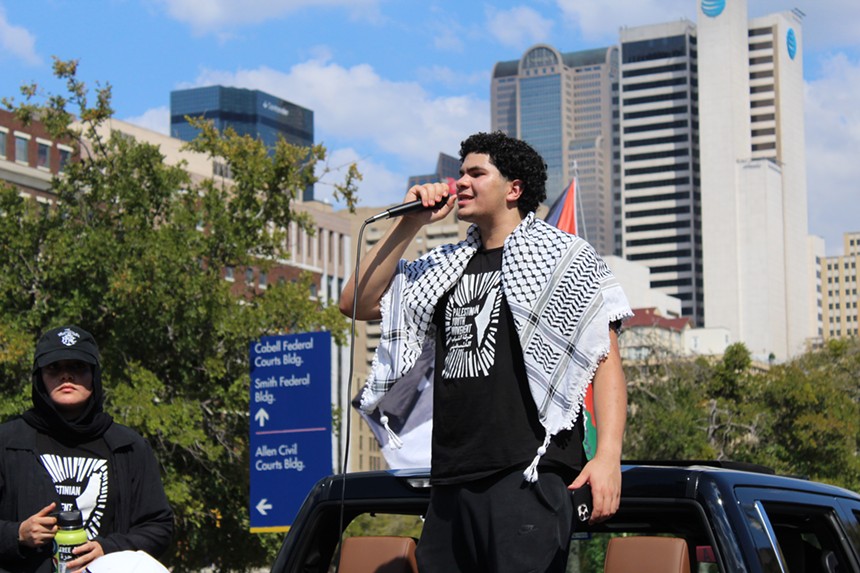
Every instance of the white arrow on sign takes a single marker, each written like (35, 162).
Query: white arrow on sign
(261, 416)
(263, 507)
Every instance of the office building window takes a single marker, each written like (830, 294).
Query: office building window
(22, 148)
(764, 146)
(65, 156)
(761, 46)
(3, 135)
(43, 155)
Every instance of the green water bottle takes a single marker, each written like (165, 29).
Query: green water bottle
(70, 534)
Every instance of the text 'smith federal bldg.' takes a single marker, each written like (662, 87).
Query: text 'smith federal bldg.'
(693, 134)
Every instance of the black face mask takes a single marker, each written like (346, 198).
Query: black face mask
(45, 417)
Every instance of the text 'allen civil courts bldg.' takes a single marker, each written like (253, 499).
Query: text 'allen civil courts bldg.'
(701, 133)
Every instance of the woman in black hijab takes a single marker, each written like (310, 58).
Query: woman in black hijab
(66, 453)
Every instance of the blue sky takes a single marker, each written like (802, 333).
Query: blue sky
(394, 82)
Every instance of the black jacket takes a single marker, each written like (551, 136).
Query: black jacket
(143, 519)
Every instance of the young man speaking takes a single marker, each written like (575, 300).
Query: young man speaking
(517, 319)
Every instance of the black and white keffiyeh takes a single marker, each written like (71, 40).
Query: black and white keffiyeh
(561, 294)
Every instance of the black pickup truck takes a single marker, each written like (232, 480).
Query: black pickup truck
(703, 516)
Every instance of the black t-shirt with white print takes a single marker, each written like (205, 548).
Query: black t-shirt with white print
(484, 418)
(81, 477)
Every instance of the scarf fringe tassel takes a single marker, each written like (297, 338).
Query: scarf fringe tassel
(393, 440)
(531, 473)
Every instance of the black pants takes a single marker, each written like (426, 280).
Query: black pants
(500, 524)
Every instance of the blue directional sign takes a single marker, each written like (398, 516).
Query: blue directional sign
(290, 424)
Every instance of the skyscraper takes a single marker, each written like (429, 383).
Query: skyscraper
(754, 205)
(446, 166)
(562, 104)
(248, 112)
(710, 188)
(660, 210)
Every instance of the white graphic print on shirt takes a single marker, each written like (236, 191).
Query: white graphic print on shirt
(82, 483)
(471, 323)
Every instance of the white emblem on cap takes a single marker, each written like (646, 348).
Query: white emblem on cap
(68, 337)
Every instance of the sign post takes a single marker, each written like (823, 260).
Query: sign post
(291, 424)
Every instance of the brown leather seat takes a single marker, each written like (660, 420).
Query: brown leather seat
(378, 555)
(647, 555)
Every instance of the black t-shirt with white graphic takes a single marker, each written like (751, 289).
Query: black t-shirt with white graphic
(484, 418)
(81, 477)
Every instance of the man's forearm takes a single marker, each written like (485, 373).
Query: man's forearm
(610, 403)
(376, 271)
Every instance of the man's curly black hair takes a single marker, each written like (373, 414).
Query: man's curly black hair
(515, 159)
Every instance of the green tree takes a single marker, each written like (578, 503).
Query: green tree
(812, 406)
(133, 251)
(668, 419)
(800, 418)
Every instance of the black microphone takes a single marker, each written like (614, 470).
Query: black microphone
(404, 209)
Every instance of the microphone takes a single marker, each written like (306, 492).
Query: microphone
(402, 209)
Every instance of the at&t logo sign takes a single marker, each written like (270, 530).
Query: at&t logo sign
(713, 8)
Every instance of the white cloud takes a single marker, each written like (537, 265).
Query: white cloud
(398, 127)
(832, 148)
(826, 25)
(215, 15)
(447, 40)
(518, 27)
(600, 21)
(356, 106)
(444, 75)
(17, 42)
(379, 186)
(156, 119)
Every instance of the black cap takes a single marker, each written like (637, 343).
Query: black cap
(66, 343)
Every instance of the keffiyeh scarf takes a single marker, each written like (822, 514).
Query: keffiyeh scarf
(562, 297)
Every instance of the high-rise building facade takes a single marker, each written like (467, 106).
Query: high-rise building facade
(660, 211)
(710, 189)
(752, 152)
(447, 167)
(248, 112)
(562, 104)
(839, 290)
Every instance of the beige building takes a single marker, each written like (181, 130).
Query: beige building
(839, 290)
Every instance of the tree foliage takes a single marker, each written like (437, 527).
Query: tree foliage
(133, 251)
(800, 418)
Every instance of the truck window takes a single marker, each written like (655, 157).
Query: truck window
(808, 537)
(647, 517)
(386, 524)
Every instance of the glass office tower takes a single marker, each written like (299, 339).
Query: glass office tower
(248, 112)
(565, 106)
